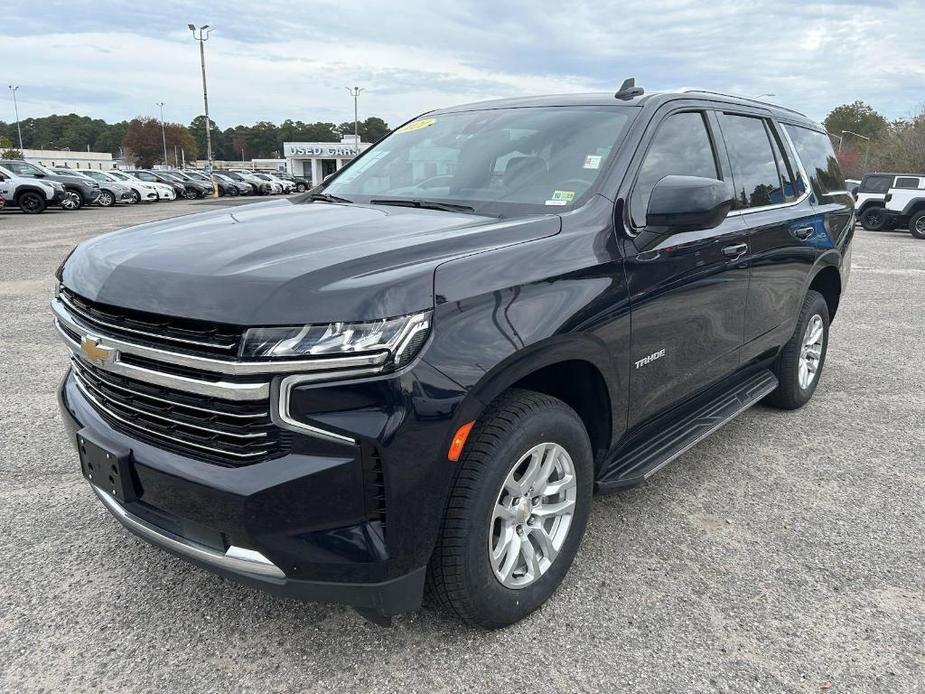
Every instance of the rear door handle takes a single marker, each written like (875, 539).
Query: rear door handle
(803, 233)
(735, 250)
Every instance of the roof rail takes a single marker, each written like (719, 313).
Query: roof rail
(743, 98)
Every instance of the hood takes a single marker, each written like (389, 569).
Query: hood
(283, 263)
(73, 180)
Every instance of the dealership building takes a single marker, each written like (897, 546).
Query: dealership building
(320, 159)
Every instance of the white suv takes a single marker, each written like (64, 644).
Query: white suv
(904, 204)
(30, 195)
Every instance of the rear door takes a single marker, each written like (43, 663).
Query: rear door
(688, 289)
(773, 202)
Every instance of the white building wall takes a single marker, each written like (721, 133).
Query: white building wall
(74, 160)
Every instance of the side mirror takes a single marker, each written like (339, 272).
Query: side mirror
(688, 203)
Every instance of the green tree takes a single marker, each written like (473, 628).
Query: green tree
(197, 129)
(857, 117)
(372, 129)
(6, 149)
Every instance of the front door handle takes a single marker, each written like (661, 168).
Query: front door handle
(735, 250)
(803, 233)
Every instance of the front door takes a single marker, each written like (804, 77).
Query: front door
(688, 289)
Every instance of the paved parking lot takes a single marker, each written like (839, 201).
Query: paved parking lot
(786, 553)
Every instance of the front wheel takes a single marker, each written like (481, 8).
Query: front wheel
(517, 512)
(31, 202)
(300, 187)
(106, 199)
(873, 219)
(799, 365)
(917, 225)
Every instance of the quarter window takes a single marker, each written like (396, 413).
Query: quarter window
(906, 182)
(681, 147)
(754, 165)
(815, 151)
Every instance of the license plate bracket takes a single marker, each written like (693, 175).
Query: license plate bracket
(107, 466)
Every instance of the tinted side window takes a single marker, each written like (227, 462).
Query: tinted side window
(754, 166)
(786, 167)
(876, 184)
(23, 169)
(815, 151)
(906, 182)
(681, 147)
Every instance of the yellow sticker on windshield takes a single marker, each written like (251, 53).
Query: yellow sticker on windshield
(417, 125)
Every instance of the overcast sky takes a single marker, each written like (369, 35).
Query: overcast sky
(272, 61)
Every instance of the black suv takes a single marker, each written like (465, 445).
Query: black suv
(421, 372)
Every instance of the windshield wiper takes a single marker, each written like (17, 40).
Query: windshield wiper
(327, 197)
(425, 205)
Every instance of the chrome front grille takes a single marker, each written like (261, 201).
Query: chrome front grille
(219, 431)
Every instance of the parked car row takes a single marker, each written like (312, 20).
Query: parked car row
(32, 187)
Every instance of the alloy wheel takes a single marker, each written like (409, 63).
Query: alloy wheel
(920, 225)
(532, 515)
(811, 352)
(106, 199)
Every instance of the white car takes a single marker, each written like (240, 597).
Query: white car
(161, 191)
(30, 195)
(276, 188)
(287, 186)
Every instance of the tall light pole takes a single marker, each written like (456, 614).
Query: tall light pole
(355, 93)
(202, 37)
(13, 90)
(163, 132)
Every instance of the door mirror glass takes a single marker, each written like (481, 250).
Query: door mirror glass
(688, 203)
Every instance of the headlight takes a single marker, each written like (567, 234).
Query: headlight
(401, 337)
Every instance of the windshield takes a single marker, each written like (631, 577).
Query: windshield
(496, 161)
(169, 177)
(121, 176)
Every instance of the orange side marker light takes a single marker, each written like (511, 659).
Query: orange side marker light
(459, 440)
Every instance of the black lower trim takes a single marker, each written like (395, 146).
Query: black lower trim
(643, 458)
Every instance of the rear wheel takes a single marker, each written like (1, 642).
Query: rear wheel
(917, 225)
(31, 202)
(873, 218)
(517, 512)
(800, 363)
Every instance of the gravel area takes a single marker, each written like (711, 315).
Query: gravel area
(783, 554)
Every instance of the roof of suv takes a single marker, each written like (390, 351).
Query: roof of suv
(608, 99)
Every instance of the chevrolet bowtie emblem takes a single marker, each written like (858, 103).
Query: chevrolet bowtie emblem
(94, 351)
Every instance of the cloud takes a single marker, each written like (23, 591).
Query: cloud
(271, 61)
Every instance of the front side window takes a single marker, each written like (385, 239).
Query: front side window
(815, 151)
(24, 169)
(681, 147)
(498, 161)
(876, 184)
(754, 165)
(906, 182)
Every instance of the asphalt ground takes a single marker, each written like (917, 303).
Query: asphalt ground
(784, 554)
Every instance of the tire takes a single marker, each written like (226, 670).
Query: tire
(78, 199)
(461, 575)
(136, 196)
(873, 218)
(917, 225)
(106, 199)
(234, 192)
(300, 188)
(792, 392)
(31, 202)
(190, 194)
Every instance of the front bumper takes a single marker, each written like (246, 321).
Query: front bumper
(301, 525)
